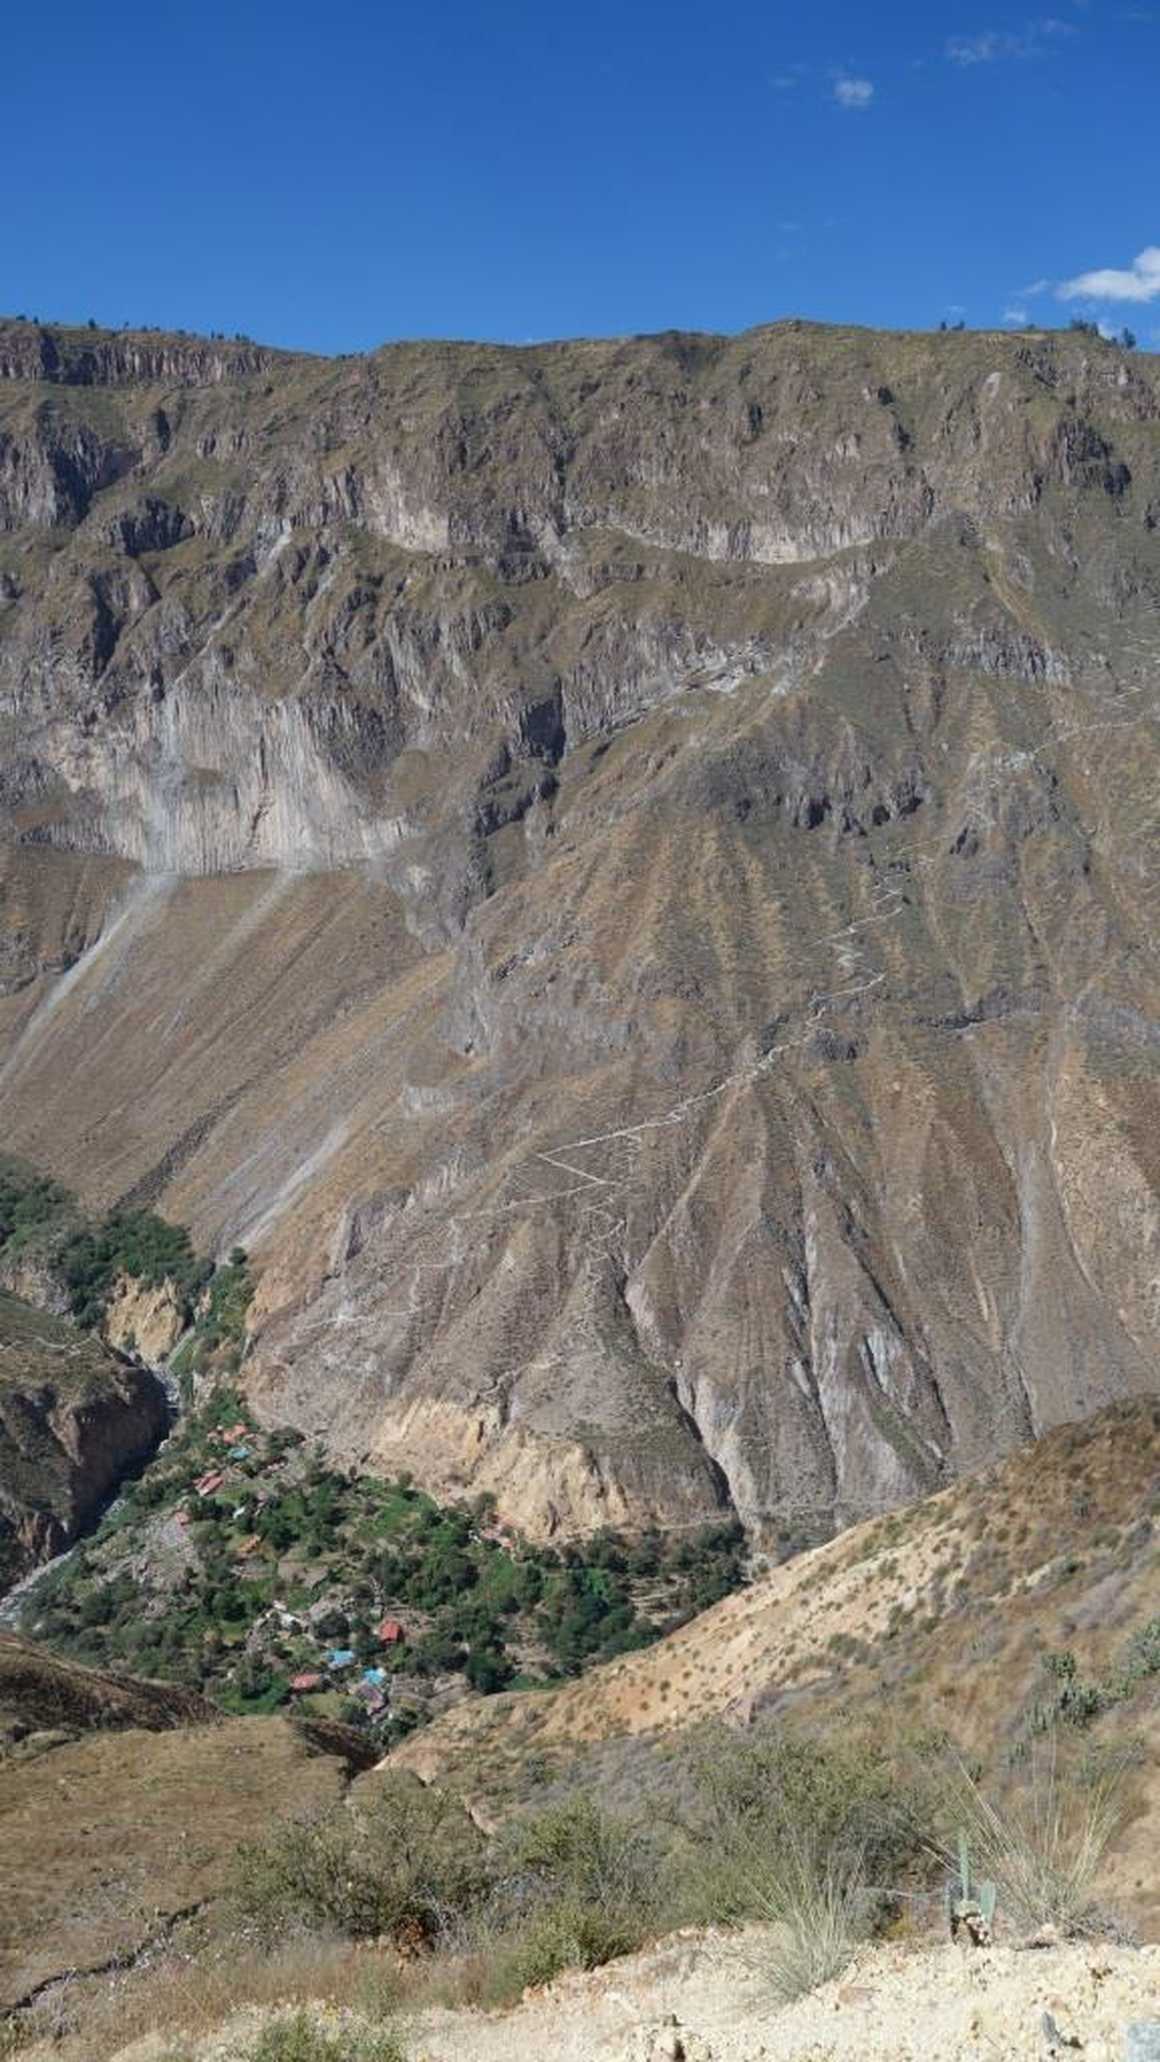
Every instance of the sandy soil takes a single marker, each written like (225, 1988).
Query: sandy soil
(707, 1998)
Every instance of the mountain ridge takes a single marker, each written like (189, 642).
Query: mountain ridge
(541, 836)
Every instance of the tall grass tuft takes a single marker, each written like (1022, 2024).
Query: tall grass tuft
(821, 1912)
(1044, 1845)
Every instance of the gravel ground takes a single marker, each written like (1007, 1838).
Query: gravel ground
(707, 1998)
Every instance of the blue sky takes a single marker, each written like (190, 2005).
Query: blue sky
(332, 177)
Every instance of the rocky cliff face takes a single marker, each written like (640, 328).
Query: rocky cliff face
(145, 1318)
(623, 872)
(73, 1420)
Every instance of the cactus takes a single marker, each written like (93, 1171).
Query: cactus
(970, 1904)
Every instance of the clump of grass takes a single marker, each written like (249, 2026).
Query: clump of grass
(823, 1912)
(1043, 1846)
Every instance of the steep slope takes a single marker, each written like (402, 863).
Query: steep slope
(621, 872)
(40, 1692)
(73, 1419)
(947, 1613)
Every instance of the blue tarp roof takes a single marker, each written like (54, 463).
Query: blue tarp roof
(341, 1657)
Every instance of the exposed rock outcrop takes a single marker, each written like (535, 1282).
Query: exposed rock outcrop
(73, 1420)
(94, 358)
(144, 1318)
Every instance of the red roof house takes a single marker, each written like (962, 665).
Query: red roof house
(391, 1633)
(206, 1484)
(308, 1680)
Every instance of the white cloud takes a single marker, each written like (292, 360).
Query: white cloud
(1037, 286)
(993, 44)
(1139, 282)
(1018, 316)
(850, 92)
(978, 49)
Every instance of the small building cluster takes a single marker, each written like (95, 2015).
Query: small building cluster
(335, 1666)
(371, 1689)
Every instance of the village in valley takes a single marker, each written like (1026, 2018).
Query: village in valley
(241, 1562)
(338, 1665)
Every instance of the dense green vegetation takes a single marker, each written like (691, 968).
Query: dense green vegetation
(240, 1559)
(212, 1348)
(132, 1242)
(37, 1215)
(30, 1203)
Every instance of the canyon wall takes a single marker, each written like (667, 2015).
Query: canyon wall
(73, 1420)
(624, 873)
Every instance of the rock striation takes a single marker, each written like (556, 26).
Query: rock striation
(624, 873)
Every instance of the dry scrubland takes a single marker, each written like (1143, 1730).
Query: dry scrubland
(711, 1995)
(942, 1614)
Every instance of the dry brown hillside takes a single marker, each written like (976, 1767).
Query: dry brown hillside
(115, 1840)
(623, 872)
(941, 1616)
(41, 1693)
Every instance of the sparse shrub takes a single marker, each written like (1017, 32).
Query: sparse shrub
(1074, 1702)
(1142, 1656)
(838, 1806)
(410, 1863)
(570, 1934)
(299, 2037)
(579, 1851)
(574, 1886)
